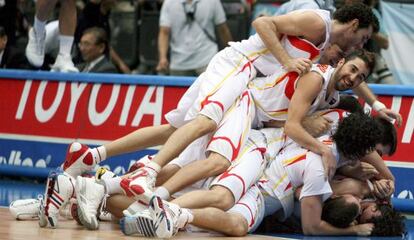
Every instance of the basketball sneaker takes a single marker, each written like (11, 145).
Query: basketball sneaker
(35, 49)
(90, 194)
(78, 160)
(59, 190)
(140, 163)
(25, 209)
(140, 184)
(141, 224)
(166, 217)
(64, 63)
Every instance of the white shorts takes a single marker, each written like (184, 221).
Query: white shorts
(251, 206)
(226, 77)
(247, 169)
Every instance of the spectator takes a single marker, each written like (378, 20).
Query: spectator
(378, 41)
(94, 50)
(187, 26)
(306, 4)
(35, 49)
(96, 14)
(10, 57)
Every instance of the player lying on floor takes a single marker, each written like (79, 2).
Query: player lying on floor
(361, 207)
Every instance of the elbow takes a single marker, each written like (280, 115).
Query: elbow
(258, 22)
(289, 128)
(311, 229)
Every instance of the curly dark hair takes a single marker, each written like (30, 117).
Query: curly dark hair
(366, 56)
(389, 137)
(338, 212)
(357, 135)
(390, 223)
(358, 11)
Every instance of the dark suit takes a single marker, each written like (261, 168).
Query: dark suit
(103, 66)
(13, 58)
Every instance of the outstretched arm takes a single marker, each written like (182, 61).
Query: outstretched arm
(304, 24)
(306, 91)
(365, 92)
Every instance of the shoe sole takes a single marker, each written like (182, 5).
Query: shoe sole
(92, 224)
(141, 225)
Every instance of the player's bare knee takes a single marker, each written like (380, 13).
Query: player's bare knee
(239, 226)
(218, 164)
(224, 199)
(204, 125)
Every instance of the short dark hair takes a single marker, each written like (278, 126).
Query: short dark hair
(2, 31)
(338, 212)
(357, 135)
(349, 103)
(100, 35)
(358, 11)
(364, 55)
(389, 134)
(390, 223)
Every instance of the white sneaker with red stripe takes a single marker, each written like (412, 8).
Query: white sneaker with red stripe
(140, 163)
(59, 190)
(79, 159)
(90, 194)
(140, 185)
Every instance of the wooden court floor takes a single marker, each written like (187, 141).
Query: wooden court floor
(11, 229)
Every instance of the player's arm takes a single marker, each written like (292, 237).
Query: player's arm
(312, 223)
(307, 89)
(271, 28)
(365, 93)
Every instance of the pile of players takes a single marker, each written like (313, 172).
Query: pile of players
(259, 131)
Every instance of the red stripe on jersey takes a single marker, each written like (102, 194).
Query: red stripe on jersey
(304, 45)
(296, 159)
(228, 174)
(207, 101)
(290, 86)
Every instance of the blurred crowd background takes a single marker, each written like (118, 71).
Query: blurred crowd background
(130, 32)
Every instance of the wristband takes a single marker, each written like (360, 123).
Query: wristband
(378, 106)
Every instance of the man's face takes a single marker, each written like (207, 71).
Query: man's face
(369, 211)
(354, 38)
(89, 49)
(350, 74)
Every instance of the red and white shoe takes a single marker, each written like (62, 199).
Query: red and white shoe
(140, 185)
(59, 190)
(140, 163)
(79, 159)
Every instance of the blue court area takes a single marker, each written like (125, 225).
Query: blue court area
(12, 189)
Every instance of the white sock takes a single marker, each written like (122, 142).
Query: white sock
(153, 168)
(65, 44)
(163, 193)
(98, 154)
(113, 185)
(39, 26)
(186, 217)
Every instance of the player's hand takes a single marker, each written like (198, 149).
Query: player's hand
(365, 171)
(299, 65)
(363, 229)
(383, 188)
(317, 125)
(390, 115)
(329, 163)
(162, 66)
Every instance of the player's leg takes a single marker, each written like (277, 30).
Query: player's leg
(35, 49)
(67, 26)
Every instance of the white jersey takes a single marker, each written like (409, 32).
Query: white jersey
(272, 94)
(293, 167)
(256, 51)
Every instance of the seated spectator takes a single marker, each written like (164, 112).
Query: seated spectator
(94, 50)
(10, 57)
